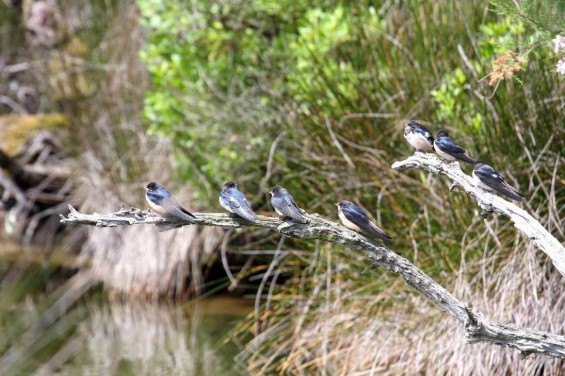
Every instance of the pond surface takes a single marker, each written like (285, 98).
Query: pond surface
(148, 339)
(103, 336)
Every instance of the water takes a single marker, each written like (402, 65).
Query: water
(103, 336)
(147, 339)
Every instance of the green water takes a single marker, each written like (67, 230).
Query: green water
(147, 339)
(99, 335)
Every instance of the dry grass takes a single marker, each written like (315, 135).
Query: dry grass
(338, 328)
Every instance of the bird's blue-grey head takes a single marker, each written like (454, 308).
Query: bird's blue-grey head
(152, 187)
(409, 126)
(155, 190)
(344, 204)
(278, 190)
(229, 184)
(442, 133)
(413, 124)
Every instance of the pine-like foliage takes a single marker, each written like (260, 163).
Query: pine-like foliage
(545, 16)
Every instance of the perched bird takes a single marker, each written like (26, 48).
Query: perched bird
(488, 178)
(164, 204)
(284, 204)
(354, 217)
(234, 202)
(449, 150)
(418, 136)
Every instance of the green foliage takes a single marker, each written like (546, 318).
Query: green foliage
(454, 104)
(209, 95)
(546, 16)
(498, 37)
(538, 22)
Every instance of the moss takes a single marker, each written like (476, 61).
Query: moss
(17, 129)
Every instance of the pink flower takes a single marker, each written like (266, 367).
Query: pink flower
(558, 43)
(560, 68)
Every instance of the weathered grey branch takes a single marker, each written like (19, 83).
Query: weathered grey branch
(489, 202)
(477, 328)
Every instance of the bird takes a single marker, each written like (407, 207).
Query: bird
(284, 204)
(489, 179)
(449, 150)
(234, 202)
(354, 218)
(418, 136)
(164, 204)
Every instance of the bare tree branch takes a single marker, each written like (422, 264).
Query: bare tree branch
(489, 202)
(477, 328)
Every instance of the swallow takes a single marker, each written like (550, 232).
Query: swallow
(234, 202)
(284, 205)
(418, 136)
(449, 150)
(354, 218)
(164, 204)
(489, 179)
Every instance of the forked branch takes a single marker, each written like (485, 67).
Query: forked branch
(477, 328)
(488, 202)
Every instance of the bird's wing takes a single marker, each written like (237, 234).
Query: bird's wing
(294, 208)
(230, 199)
(511, 192)
(237, 201)
(449, 146)
(358, 217)
(293, 205)
(493, 179)
(427, 134)
(174, 208)
(466, 158)
(288, 207)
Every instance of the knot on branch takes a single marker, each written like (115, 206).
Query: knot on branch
(473, 326)
(132, 212)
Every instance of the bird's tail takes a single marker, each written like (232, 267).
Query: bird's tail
(465, 158)
(379, 233)
(247, 214)
(386, 238)
(187, 217)
(511, 192)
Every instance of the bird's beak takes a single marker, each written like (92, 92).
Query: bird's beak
(271, 192)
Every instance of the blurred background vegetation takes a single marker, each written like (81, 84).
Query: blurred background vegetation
(311, 97)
